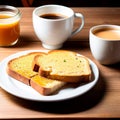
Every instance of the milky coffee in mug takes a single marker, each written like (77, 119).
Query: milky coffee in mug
(105, 43)
(108, 33)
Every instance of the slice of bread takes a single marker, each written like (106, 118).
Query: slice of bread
(21, 69)
(46, 86)
(63, 65)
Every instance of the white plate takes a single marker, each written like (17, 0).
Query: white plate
(21, 90)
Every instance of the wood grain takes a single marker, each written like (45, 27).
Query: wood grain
(102, 101)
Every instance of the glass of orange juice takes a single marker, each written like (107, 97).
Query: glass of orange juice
(9, 25)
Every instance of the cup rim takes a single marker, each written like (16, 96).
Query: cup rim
(53, 5)
(101, 26)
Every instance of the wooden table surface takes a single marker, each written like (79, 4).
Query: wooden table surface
(102, 101)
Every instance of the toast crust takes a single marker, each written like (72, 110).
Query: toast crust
(18, 76)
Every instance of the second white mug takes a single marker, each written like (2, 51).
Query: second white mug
(53, 24)
(105, 43)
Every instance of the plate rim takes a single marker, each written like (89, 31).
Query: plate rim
(17, 54)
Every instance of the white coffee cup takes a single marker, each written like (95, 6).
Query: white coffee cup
(54, 32)
(105, 43)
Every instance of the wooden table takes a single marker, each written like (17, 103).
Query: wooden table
(103, 101)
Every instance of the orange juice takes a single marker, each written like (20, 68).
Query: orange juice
(9, 33)
(9, 25)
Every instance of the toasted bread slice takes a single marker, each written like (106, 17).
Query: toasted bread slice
(21, 69)
(46, 86)
(63, 65)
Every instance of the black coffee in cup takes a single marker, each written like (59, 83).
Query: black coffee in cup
(52, 16)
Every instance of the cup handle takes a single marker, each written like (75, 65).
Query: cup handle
(78, 15)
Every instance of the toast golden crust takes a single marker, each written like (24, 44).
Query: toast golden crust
(63, 65)
(35, 64)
